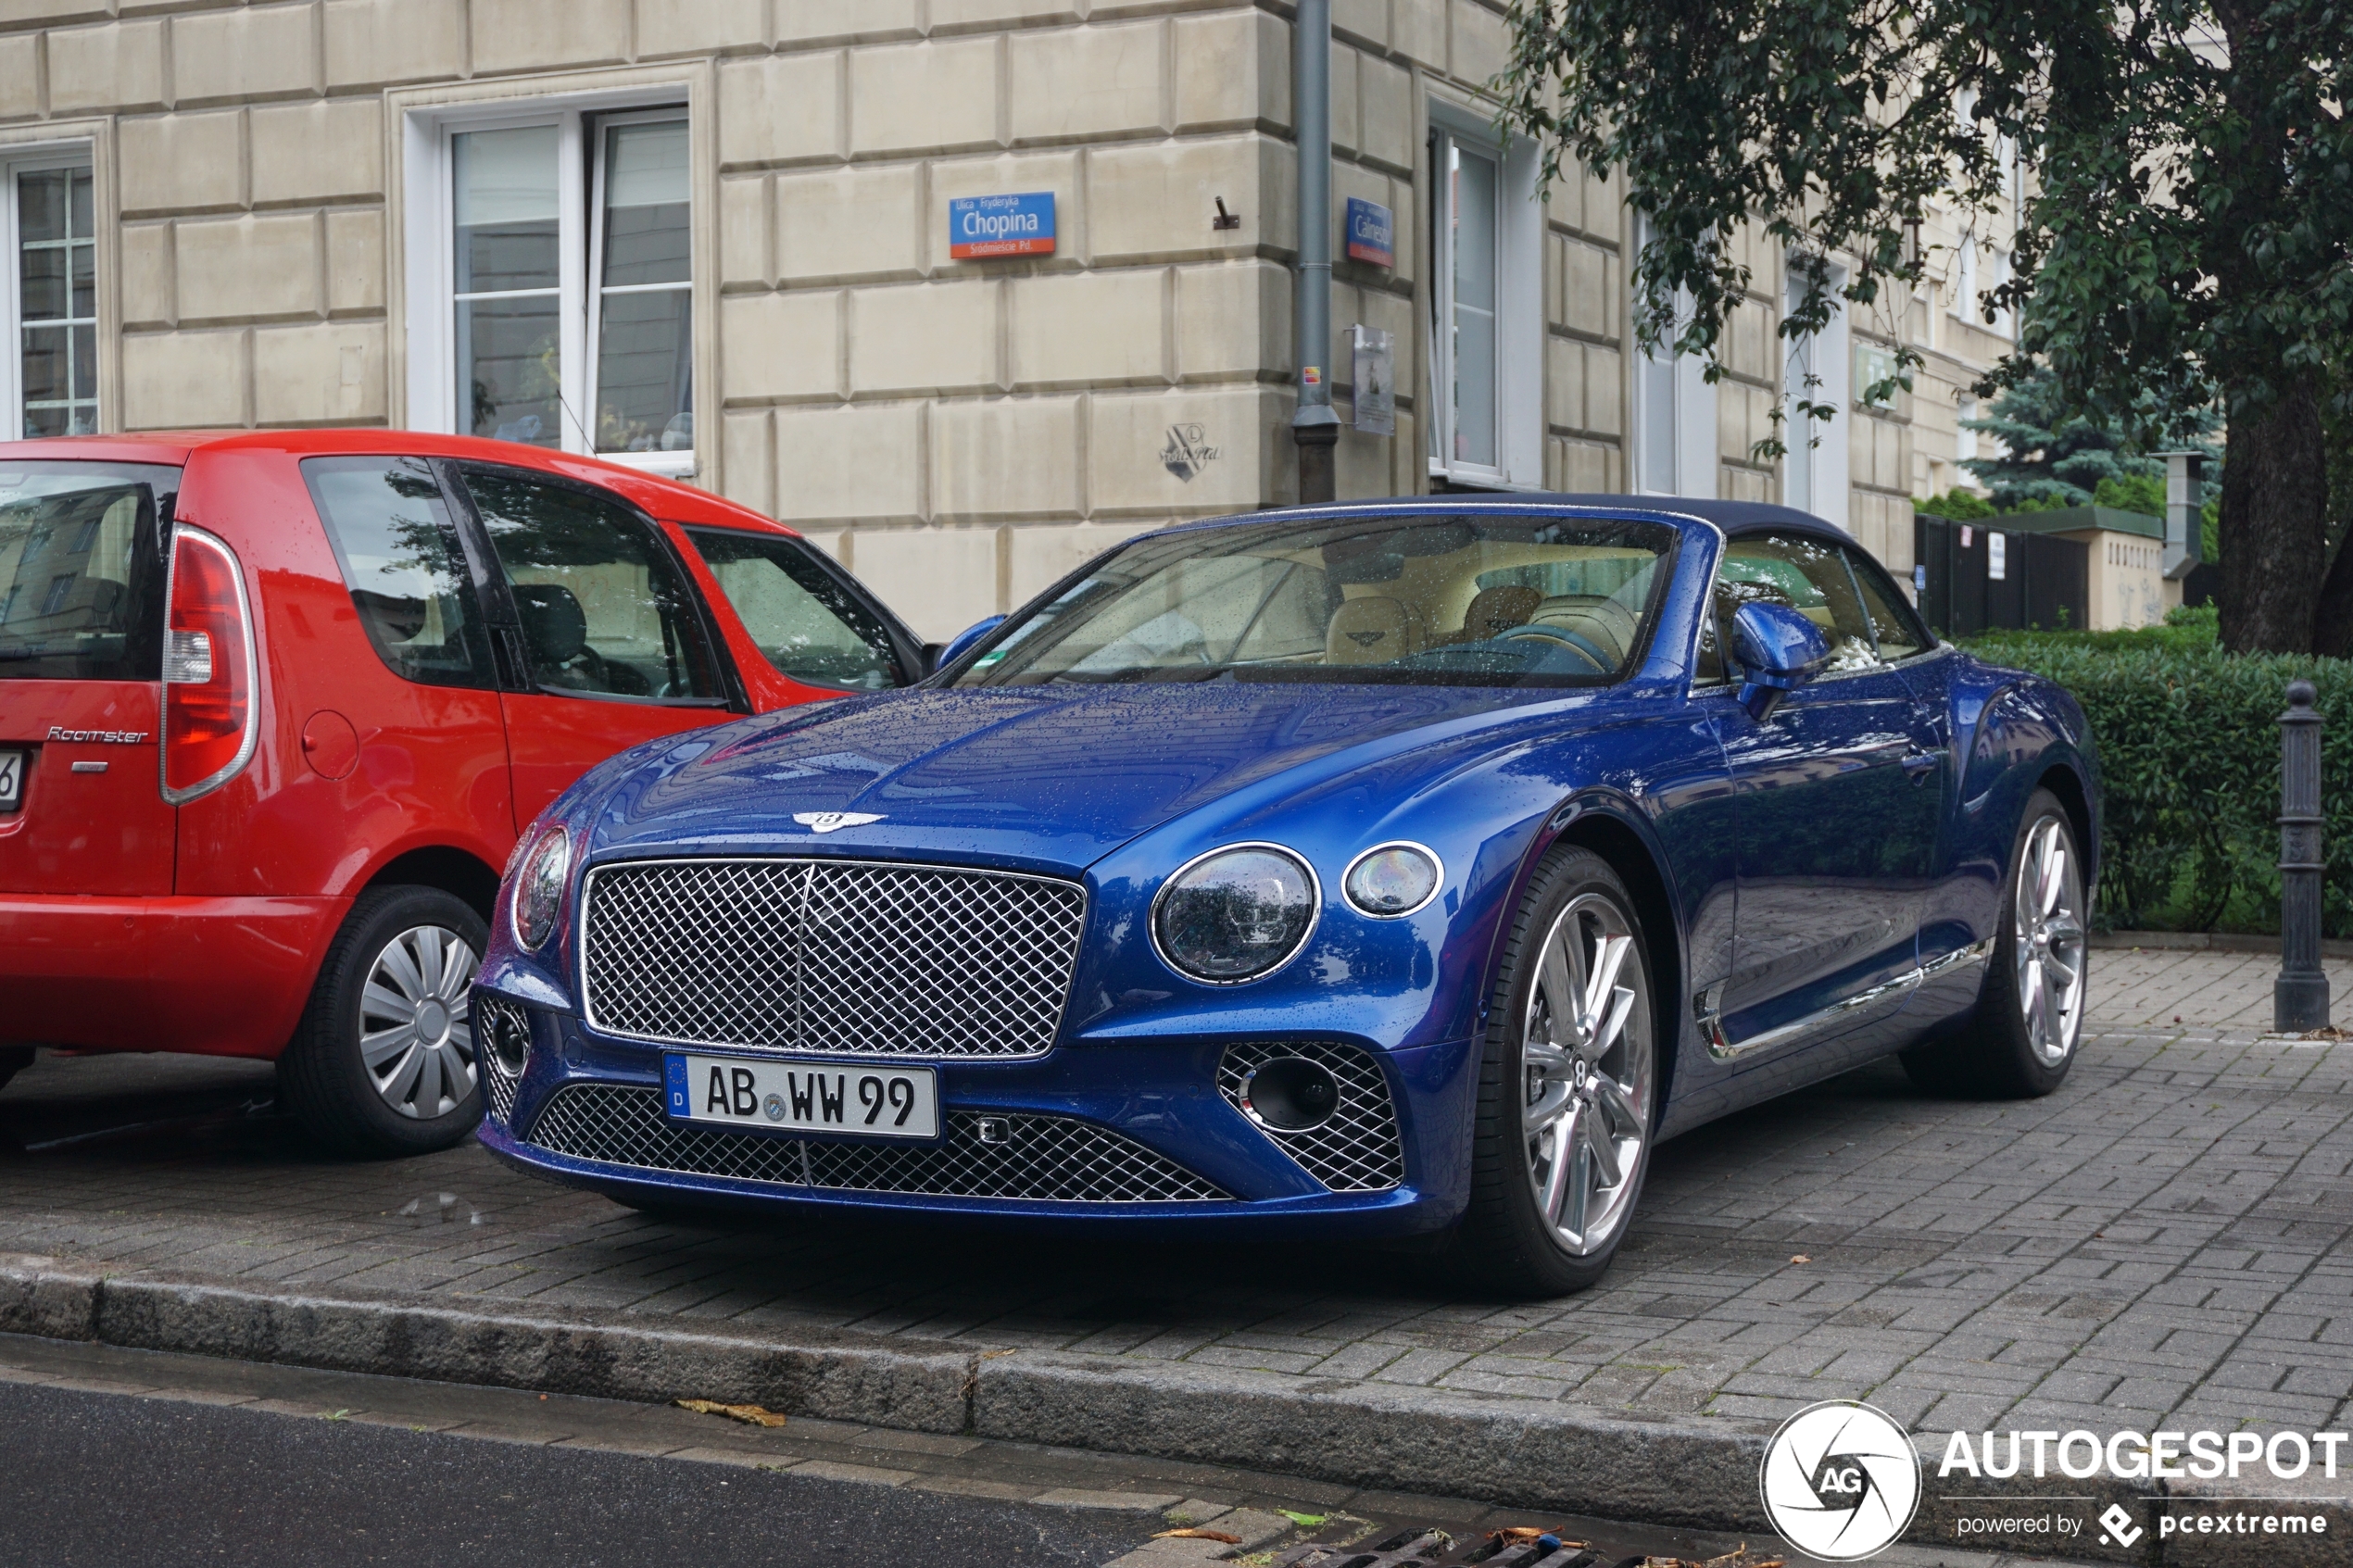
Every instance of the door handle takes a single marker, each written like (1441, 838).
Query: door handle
(1918, 765)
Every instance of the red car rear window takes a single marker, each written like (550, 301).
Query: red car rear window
(82, 568)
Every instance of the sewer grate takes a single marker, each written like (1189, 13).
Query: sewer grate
(1420, 1547)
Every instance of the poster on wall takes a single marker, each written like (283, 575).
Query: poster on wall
(1374, 375)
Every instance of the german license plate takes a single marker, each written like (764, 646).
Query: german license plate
(801, 1096)
(11, 779)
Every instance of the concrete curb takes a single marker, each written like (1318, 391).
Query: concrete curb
(1520, 1452)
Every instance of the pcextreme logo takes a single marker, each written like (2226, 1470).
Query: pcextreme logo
(1839, 1481)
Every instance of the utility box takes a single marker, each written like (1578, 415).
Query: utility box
(1971, 578)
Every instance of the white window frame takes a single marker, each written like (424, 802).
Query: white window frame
(1815, 477)
(1519, 308)
(1964, 441)
(1690, 466)
(431, 195)
(33, 160)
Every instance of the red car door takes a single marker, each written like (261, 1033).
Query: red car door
(606, 642)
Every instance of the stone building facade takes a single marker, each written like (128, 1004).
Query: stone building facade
(712, 237)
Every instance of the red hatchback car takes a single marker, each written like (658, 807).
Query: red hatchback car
(275, 707)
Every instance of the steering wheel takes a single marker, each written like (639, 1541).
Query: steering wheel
(1559, 637)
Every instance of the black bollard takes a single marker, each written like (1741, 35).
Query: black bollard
(2301, 996)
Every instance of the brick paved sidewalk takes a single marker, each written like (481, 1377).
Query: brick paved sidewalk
(2158, 988)
(2159, 1239)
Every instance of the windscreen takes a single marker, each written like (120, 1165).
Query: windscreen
(82, 569)
(1443, 600)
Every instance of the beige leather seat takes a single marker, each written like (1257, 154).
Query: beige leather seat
(1373, 631)
(1606, 624)
(1492, 610)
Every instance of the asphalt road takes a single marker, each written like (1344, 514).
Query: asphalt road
(100, 1478)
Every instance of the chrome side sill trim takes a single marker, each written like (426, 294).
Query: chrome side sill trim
(1711, 1020)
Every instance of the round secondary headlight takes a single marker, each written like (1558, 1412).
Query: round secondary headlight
(1393, 880)
(539, 889)
(1236, 913)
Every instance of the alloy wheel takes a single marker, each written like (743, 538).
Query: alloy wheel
(414, 1037)
(1586, 1066)
(2048, 941)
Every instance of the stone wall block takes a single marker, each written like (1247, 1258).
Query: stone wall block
(333, 374)
(780, 109)
(1347, 132)
(379, 42)
(1565, 384)
(1361, 467)
(356, 261)
(744, 226)
(329, 151)
(1005, 457)
(248, 53)
(146, 253)
(924, 338)
(1088, 81)
(1090, 329)
(748, 457)
(534, 35)
(1040, 555)
(249, 267)
(1233, 70)
(1156, 202)
(1367, 19)
(1233, 320)
(20, 77)
(803, 22)
(850, 464)
(694, 27)
(119, 65)
(850, 223)
(923, 97)
(962, 15)
(181, 381)
(940, 580)
(781, 345)
(1418, 30)
(183, 163)
(1057, 172)
(1186, 454)
(1385, 97)
(1604, 391)
(1586, 298)
(1477, 44)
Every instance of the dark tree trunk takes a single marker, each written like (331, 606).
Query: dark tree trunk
(2333, 622)
(2274, 525)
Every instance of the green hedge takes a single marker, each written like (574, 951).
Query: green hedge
(2189, 751)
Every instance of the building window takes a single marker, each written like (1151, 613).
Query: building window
(1814, 470)
(1674, 433)
(564, 257)
(52, 298)
(1487, 329)
(1965, 444)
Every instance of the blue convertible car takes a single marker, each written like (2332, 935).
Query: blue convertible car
(1366, 871)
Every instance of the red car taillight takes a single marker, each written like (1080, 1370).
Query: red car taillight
(209, 719)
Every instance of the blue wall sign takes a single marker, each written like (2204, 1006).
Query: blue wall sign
(985, 226)
(1372, 233)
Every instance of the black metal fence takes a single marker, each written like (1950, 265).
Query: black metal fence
(2042, 580)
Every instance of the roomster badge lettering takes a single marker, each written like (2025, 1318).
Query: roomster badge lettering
(1839, 1481)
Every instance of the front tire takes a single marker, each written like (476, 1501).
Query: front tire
(1568, 1089)
(2021, 1038)
(383, 1062)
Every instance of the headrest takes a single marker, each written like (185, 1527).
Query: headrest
(1370, 631)
(553, 622)
(1499, 609)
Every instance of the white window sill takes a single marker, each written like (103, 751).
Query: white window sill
(667, 465)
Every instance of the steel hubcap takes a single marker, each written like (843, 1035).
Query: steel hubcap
(1585, 1058)
(414, 1038)
(2048, 933)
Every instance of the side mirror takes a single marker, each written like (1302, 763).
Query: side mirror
(963, 640)
(1781, 650)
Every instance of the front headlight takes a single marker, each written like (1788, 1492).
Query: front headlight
(1236, 913)
(539, 889)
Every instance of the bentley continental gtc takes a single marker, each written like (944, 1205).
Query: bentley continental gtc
(1401, 869)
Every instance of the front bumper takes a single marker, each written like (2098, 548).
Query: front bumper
(1141, 1125)
(212, 976)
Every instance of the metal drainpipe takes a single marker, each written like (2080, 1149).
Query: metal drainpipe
(1315, 427)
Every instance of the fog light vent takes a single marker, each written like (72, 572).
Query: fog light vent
(1326, 1105)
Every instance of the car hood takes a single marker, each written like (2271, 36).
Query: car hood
(1051, 778)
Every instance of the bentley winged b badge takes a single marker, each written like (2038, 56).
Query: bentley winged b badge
(826, 821)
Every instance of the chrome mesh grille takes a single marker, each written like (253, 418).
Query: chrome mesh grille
(1357, 1149)
(838, 957)
(1043, 1159)
(496, 1021)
